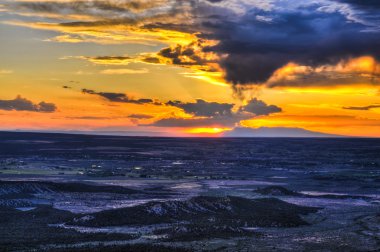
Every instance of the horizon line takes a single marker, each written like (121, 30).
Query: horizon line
(94, 133)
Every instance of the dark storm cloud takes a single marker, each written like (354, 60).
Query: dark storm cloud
(23, 104)
(119, 97)
(257, 40)
(204, 108)
(255, 37)
(367, 4)
(260, 108)
(366, 12)
(364, 107)
(256, 48)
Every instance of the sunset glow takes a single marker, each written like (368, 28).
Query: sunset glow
(119, 67)
(208, 130)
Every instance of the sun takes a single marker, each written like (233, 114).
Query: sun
(214, 130)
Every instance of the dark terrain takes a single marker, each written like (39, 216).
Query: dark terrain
(62, 192)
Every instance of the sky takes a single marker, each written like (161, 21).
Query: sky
(190, 68)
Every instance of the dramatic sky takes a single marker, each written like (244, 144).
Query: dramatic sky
(190, 67)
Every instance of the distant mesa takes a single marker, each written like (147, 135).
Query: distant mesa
(279, 191)
(276, 191)
(274, 132)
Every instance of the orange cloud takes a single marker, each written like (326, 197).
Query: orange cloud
(356, 71)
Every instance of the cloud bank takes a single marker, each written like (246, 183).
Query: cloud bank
(212, 114)
(369, 107)
(23, 104)
(199, 113)
(119, 97)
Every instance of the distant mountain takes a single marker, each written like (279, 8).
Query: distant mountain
(274, 132)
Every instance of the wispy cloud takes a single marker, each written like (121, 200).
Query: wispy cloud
(120, 97)
(5, 71)
(140, 116)
(369, 107)
(124, 71)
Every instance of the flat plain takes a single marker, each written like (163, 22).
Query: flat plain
(62, 192)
